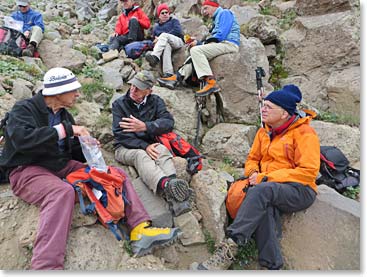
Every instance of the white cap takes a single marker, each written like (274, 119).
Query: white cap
(23, 3)
(59, 80)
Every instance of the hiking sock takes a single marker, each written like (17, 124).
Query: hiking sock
(163, 182)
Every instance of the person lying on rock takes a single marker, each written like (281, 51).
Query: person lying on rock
(138, 118)
(224, 38)
(167, 34)
(282, 167)
(129, 26)
(41, 148)
(33, 27)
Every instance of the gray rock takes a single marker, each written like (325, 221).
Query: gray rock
(66, 57)
(111, 74)
(346, 138)
(210, 190)
(229, 140)
(320, 7)
(22, 89)
(244, 14)
(326, 236)
(190, 227)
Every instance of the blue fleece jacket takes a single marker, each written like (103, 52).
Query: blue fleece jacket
(225, 26)
(172, 26)
(30, 18)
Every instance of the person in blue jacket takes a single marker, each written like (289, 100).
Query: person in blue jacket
(224, 38)
(33, 26)
(167, 34)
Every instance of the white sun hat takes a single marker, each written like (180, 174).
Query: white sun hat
(59, 80)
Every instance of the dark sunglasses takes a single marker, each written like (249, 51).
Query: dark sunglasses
(164, 12)
(20, 6)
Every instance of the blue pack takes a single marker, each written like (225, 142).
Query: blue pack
(134, 49)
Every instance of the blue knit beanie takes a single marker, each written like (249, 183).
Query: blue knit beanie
(287, 98)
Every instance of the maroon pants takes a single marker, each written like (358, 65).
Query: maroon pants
(44, 188)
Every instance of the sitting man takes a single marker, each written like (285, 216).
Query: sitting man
(33, 27)
(167, 33)
(129, 26)
(224, 38)
(41, 148)
(282, 167)
(138, 118)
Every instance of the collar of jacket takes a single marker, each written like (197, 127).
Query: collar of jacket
(133, 8)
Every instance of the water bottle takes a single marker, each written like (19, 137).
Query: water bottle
(92, 153)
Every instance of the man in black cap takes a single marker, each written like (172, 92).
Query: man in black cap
(138, 118)
(281, 167)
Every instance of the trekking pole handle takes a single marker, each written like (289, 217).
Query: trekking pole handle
(260, 89)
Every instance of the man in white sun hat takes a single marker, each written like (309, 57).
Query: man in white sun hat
(42, 147)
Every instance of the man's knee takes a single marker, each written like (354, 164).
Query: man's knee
(134, 21)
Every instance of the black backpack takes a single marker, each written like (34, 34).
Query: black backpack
(4, 172)
(335, 171)
(12, 42)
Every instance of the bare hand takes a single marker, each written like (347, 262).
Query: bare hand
(132, 124)
(155, 40)
(193, 43)
(80, 131)
(152, 151)
(27, 33)
(252, 178)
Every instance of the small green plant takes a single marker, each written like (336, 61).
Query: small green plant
(128, 248)
(90, 71)
(73, 110)
(287, 20)
(15, 68)
(246, 254)
(103, 120)
(89, 89)
(87, 29)
(352, 192)
(210, 242)
(338, 118)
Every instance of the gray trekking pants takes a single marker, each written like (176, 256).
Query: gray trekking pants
(259, 215)
(151, 171)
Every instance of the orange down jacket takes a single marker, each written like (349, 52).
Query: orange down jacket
(293, 156)
(122, 24)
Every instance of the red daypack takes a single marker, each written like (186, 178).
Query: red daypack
(12, 42)
(105, 192)
(180, 147)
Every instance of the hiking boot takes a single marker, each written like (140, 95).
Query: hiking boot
(144, 239)
(170, 82)
(210, 86)
(177, 189)
(221, 259)
(152, 60)
(179, 208)
(29, 51)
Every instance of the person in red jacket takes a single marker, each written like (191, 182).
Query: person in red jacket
(129, 26)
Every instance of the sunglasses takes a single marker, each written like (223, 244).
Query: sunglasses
(164, 12)
(20, 6)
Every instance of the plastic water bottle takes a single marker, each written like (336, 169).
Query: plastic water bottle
(92, 153)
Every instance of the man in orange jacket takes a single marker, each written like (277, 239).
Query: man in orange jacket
(282, 167)
(129, 26)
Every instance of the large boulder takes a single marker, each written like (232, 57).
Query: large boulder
(320, 7)
(326, 236)
(346, 138)
(236, 76)
(229, 140)
(58, 55)
(210, 189)
(318, 49)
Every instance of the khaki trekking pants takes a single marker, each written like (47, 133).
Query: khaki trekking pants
(165, 44)
(202, 54)
(36, 35)
(151, 171)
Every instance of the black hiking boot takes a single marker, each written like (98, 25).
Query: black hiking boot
(152, 60)
(29, 51)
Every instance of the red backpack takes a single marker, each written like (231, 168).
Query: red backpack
(180, 147)
(105, 192)
(12, 42)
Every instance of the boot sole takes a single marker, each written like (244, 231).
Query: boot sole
(178, 189)
(153, 243)
(162, 84)
(208, 92)
(152, 62)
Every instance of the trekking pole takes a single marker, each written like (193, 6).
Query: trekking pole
(260, 89)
